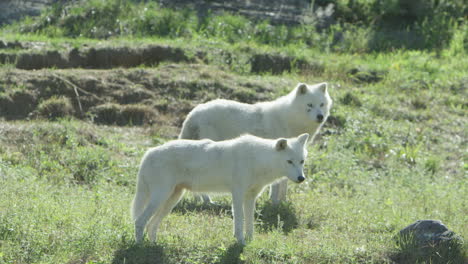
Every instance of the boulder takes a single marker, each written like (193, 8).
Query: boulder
(429, 241)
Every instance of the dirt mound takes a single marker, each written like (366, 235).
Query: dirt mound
(277, 64)
(39, 55)
(10, 45)
(122, 96)
(93, 57)
(366, 76)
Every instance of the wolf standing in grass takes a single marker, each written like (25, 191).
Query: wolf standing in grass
(242, 166)
(304, 110)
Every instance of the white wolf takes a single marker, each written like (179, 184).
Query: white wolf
(242, 166)
(304, 110)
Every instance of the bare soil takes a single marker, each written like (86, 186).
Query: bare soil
(138, 85)
(40, 55)
(137, 96)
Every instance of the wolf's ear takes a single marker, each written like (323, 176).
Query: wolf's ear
(301, 88)
(303, 138)
(323, 87)
(281, 144)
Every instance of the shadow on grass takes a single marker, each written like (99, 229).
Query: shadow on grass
(151, 253)
(145, 253)
(192, 205)
(278, 216)
(270, 216)
(232, 254)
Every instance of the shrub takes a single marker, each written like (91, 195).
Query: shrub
(106, 113)
(115, 114)
(136, 114)
(88, 163)
(55, 107)
(15, 96)
(231, 28)
(164, 22)
(96, 19)
(356, 26)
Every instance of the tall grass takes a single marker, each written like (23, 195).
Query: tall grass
(360, 26)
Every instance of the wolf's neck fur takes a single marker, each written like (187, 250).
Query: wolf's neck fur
(279, 116)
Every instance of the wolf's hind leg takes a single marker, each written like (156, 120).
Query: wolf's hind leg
(157, 198)
(164, 210)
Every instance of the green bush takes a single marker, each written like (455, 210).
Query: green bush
(94, 19)
(115, 114)
(232, 28)
(87, 164)
(55, 107)
(163, 22)
(360, 25)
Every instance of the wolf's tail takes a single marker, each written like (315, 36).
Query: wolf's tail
(190, 130)
(141, 197)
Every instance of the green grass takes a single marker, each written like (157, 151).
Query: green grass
(348, 210)
(393, 153)
(361, 26)
(396, 157)
(396, 154)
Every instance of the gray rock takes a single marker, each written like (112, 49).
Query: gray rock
(426, 231)
(429, 240)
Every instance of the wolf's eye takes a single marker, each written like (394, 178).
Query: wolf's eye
(289, 161)
(310, 105)
(302, 161)
(321, 105)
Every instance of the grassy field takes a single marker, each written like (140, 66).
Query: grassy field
(392, 152)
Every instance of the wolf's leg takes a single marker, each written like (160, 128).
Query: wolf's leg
(205, 198)
(274, 193)
(283, 190)
(157, 198)
(278, 191)
(249, 212)
(238, 212)
(164, 210)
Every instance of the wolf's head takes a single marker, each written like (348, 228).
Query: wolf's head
(293, 154)
(312, 101)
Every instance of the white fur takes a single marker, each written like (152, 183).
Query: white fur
(287, 116)
(242, 166)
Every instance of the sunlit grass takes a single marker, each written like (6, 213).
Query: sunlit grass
(393, 153)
